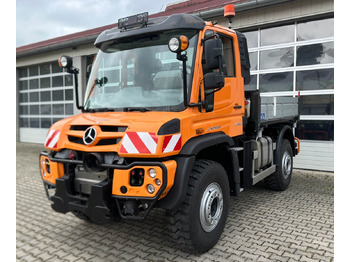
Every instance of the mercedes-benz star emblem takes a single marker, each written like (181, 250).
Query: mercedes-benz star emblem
(89, 135)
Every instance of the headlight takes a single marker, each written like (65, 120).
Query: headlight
(150, 188)
(152, 173)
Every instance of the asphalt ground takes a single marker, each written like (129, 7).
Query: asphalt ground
(263, 225)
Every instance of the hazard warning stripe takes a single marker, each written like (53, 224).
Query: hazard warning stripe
(139, 143)
(172, 143)
(52, 138)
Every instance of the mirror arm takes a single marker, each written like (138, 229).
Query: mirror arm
(183, 58)
(75, 72)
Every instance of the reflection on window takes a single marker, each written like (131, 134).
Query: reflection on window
(317, 105)
(277, 58)
(315, 130)
(44, 69)
(315, 29)
(315, 79)
(252, 38)
(253, 58)
(322, 53)
(277, 35)
(252, 84)
(276, 82)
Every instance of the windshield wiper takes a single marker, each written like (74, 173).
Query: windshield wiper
(103, 109)
(141, 109)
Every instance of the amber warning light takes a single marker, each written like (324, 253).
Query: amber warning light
(229, 12)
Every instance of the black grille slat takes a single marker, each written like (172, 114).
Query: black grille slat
(79, 128)
(107, 142)
(76, 140)
(103, 128)
(113, 128)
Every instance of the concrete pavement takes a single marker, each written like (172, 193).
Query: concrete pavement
(263, 225)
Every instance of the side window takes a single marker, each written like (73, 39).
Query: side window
(228, 58)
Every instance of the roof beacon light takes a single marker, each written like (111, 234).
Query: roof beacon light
(229, 12)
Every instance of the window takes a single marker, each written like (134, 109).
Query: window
(315, 79)
(277, 35)
(276, 82)
(40, 105)
(317, 105)
(315, 130)
(252, 38)
(297, 59)
(315, 29)
(228, 58)
(277, 58)
(322, 53)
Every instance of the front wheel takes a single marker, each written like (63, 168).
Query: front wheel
(199, 221)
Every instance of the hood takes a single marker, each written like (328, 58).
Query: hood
(127, 133)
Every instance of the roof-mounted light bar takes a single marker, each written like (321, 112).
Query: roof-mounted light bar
(133, 21)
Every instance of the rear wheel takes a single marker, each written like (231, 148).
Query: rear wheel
(198, 222)
(280, 180)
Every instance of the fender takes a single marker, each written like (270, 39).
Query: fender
(285, 133)
(185, 161)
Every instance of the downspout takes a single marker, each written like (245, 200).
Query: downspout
(240, 7)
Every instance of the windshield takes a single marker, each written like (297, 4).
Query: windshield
(140, 74)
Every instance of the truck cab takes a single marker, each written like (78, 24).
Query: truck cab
(166, 123)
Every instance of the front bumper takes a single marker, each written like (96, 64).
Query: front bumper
(108, 198)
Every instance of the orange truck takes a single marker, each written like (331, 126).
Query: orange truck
(167, 123)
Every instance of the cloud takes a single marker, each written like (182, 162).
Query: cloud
(39, 20)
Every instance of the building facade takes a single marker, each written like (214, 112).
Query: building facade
(291, 47)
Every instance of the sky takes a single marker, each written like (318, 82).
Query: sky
(39, 20)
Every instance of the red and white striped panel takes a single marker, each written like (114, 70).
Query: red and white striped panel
(52, 138)
(139, 143)
(172, 143)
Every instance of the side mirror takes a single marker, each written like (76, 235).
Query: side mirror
(213, 54)
(214, 80)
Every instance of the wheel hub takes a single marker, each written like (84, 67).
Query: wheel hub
(211, 208)
(286, 165)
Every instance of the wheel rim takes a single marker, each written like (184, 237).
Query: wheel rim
(212, 205)
(286, 165)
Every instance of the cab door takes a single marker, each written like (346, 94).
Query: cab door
(224, 108)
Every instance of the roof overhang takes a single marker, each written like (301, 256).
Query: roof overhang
(155, 25)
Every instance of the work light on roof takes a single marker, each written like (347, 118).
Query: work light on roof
(65, 61)
(178, 44)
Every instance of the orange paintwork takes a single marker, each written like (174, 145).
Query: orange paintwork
(56, 170)
(224, 118)
(122, 178)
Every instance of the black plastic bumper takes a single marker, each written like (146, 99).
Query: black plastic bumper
(97, 206)
(100, 206)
